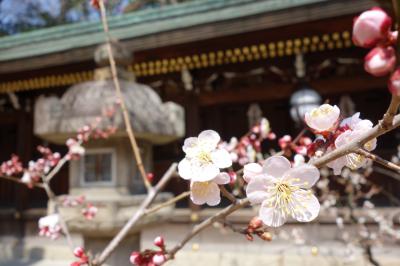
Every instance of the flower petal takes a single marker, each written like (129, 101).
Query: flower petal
(205, 192)
(185, 169)
(208, 139)
(190, 146)
(251, 170)
(271, 216)
(304, 176)
(221, 158)
(276, 166)
(304, 205)
(205, 172)
(222, 178)
(258, 187)
(337, 165)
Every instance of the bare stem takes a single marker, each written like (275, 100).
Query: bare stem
(127, 121)
(141, 212)
(56, 169)
(387, 120)
(379, 160)
(209, 221)
(227, 194)
(63, 224)
(167, 203)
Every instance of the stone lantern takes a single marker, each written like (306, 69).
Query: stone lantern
(107, 174)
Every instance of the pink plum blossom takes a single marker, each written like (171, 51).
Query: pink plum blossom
(284, 191)
(371, 28)
(356, 128)
(322, 118)
(208, 192)
(203, 158)
(380, 61)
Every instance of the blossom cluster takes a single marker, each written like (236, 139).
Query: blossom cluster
(150, 257)
(372, 29)
(11, 167)
(42, 166)
(334, 133)
(49, 226)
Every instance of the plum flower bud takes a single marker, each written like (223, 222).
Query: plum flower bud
(371, 27)
(79, 252)
(255, 223)
(266, 236)
(159, 242)
(394, 83)
(380, 61)
(323, 118)
(159, 259)
(135, 258)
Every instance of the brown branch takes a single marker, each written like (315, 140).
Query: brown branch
(129, 130)
(209, 221)
(167, 203)
(387, 120)
(141, 212)
(378, 159)
(227, 194)
(17, 180)
(57, 168)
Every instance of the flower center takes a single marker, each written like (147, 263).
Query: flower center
(201, 188)
(321, 111)
(284, 190)
(204, 157)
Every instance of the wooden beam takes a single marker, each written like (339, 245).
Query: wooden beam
(325, 87)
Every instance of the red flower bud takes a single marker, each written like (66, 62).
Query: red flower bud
(135, 258)
(150, 177)
(159, 242)
(79, 252)
(371, 27)
(255, 223)
(394, 83)
(380, 61)
(266, 236)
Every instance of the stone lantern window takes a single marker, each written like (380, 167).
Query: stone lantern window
(98, 167)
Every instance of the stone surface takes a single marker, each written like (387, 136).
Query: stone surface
(153, 120)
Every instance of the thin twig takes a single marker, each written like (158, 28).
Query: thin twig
(136, 217)
(129, 130)
(379, 160)
(57, 168)
(387, 120)
(52, 198)
(167, 203)
(227, 194)
(209, 221)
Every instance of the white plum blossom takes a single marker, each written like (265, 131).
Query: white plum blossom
(251, 170)
(322, 118)
(355, 129)
(208, 192)
(203, 158)
(49, 226)
(284, 191)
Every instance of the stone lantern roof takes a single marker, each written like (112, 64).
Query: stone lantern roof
(59, 118)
